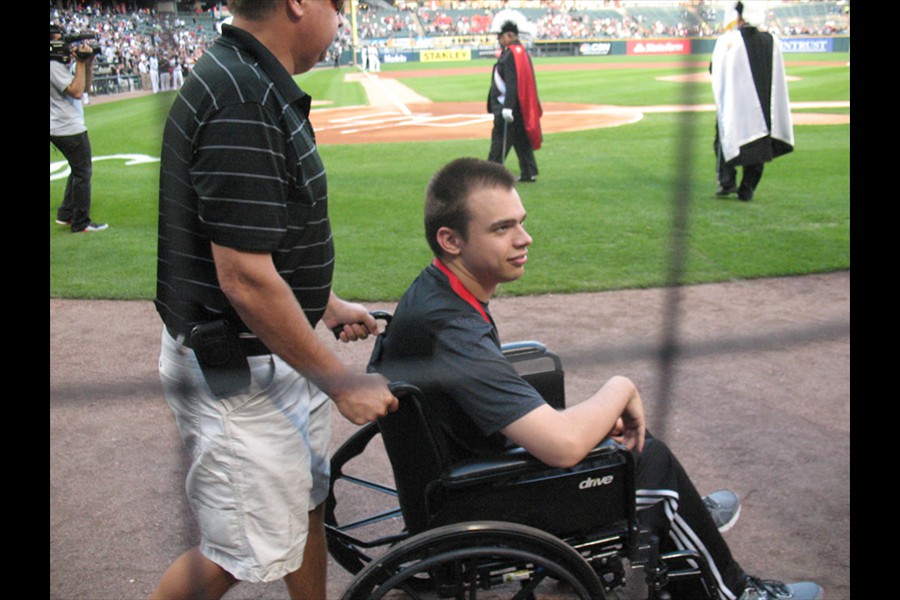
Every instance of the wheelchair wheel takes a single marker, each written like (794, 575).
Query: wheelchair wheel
(348, 551)
(500, 559)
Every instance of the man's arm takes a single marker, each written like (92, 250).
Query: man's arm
(84, 75)
(563, 438)
(266, 304)
(511, 78)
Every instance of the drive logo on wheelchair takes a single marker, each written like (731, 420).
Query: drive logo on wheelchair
(592, 482)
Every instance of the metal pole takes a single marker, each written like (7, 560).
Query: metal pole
(354, 32)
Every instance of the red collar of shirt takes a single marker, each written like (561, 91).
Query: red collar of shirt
(457, 286)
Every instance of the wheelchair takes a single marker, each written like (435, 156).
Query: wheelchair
(507, 526)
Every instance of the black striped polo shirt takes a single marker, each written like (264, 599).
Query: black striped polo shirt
(240, 168)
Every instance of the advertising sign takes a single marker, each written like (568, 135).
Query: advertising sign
(444, 55)
(672, 46)
(807, 45)
(595, 49)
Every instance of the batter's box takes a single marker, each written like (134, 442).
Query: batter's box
(455, 120)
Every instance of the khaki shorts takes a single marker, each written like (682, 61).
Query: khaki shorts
(258, 461)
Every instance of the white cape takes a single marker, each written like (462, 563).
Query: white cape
(738, 110)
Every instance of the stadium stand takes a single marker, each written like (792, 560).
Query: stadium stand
(128, 36)
(380, 19)
(588, 19)
(125, 37)
(813, 18)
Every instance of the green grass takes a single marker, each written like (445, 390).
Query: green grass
(601, 213)
(633, 87)
(329, 84)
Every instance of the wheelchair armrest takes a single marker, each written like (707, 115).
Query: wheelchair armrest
(510, 462)
(512, 350)
(513, 462)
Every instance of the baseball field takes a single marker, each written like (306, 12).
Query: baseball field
(623, 139)
(743, 366)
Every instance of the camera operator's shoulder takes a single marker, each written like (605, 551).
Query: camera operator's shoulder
(60, 75)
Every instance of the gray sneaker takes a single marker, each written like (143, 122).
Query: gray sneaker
(93, 227)
(759, 589)
(725, 507)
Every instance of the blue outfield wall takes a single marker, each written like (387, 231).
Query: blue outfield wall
(599, 47)
(806, 45)
(669, 46)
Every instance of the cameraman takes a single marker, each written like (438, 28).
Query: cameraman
(69, 133)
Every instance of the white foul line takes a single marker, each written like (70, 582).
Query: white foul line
(390, 96)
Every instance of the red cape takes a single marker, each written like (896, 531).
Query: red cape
(528, 96)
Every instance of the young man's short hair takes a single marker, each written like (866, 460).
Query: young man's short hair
(448, 190)
(252, 9)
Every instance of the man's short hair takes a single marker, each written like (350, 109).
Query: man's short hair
(253, 10)
(449, 189)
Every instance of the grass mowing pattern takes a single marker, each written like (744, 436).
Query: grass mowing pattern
(600, 214)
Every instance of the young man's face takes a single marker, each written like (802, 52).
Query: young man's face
(496, 248)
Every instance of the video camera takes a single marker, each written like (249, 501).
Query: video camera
(61, 50)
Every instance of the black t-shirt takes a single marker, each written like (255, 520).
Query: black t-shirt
(447, 345)
(240, 168)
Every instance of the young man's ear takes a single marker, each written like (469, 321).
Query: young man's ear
(450, 241)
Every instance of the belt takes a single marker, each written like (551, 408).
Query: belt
(250, 346)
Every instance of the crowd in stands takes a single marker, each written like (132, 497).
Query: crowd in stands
(374, 21)
(131, 41)
(436, 20)
(573, 19)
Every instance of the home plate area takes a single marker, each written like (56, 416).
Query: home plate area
(396, 113)
(449, 121)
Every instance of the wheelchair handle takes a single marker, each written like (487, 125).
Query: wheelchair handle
(403, 388)
(378, 314)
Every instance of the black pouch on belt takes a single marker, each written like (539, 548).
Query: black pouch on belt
(218, 350)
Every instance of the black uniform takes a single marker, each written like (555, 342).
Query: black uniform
(504, 93)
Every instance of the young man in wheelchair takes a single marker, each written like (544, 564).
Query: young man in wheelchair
(443, 340)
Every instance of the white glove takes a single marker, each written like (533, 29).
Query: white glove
(507, 115)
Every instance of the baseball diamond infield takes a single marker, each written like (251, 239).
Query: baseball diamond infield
(396, 113)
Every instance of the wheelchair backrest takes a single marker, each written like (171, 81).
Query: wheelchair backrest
(413, 453)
